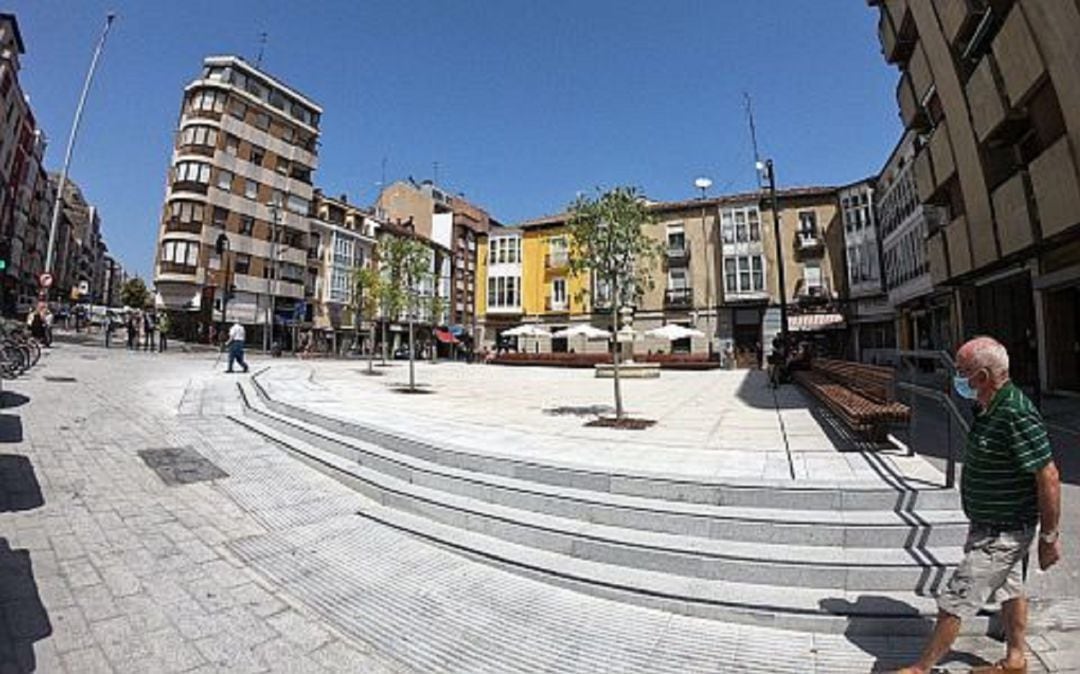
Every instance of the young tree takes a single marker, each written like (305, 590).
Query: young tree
(406, 266)
(134, 293)
(608, 241)
(436, 305)
(365, 304)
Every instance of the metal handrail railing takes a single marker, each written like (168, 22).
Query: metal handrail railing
(906, 357)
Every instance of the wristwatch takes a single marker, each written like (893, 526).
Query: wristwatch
(1050, 537)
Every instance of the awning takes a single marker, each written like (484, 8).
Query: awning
(812, 322)
(445, 337)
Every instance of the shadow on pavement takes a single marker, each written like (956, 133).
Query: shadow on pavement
(23, 618)
(10, 428)
(12, 399)
(19, 488)
(869, 629)
(579, 410)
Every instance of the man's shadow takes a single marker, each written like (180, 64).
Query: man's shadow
(891, 631)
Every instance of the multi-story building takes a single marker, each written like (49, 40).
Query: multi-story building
(923, 314)
(25, 200)
(81, 249)
(716, 273)
(342, 240)
(870, 317)
(452, 223)
(992, 90)
(242, 165)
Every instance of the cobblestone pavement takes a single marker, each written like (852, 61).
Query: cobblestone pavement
(104, 567)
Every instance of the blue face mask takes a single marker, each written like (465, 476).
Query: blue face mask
(963, 388)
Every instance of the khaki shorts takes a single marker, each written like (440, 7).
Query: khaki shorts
(993, 568)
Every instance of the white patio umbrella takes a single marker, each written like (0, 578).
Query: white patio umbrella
(527, 330)
(671, 332)
(583, 330)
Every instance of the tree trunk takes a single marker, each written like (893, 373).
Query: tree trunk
(383, 350)
(371, 349)
(615, 359)
(412, 373)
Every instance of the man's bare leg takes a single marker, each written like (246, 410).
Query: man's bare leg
(1014, 613)
(945, 631)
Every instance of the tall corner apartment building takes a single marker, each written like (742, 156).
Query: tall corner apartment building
(242, 166)
(991, 91)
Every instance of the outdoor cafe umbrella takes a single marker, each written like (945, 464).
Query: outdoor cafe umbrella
(527, 330)
(583, 330)
(672, 332)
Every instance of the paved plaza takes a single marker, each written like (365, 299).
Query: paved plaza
(143, 530)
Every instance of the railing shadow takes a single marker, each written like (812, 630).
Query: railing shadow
(10, 428)
(12, 399)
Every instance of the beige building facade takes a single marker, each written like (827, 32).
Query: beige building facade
(992, 91)
(242, 166)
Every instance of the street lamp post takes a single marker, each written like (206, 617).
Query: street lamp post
(767, 167)
(704, 184)
(50, 251)
(223, 248)
(272, 280)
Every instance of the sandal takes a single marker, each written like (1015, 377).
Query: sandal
(1000, 667)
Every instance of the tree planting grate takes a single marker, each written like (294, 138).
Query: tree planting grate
(181, 465)
(62, 380)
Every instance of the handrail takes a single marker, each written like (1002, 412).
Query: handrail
(952, 412)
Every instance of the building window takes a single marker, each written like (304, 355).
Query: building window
(247, 225)
(677, 279)
(251, 189)
(301, 173)
(676, 238)
(199, 135)
(257, 155)
(242, 263)
(207, 100)
(186, 211)
(180, 252)
(808, 226)
(558, 293)
(232, 144)
(277, 198)
(221, 216)
(504, 291)
(740, 224)
(224, 180)
(744, 273)
(192, 172)
(261, 121)
(297, 205)
(238, 109)
(282, 166)
(812, 277)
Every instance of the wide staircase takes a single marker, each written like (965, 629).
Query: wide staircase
(855, 558)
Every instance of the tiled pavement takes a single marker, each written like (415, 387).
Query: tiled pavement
(270, 570)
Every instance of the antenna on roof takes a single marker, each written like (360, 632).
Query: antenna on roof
(753, 135)
(435, 179)
(262, 45)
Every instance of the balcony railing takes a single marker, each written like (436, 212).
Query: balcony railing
(678, 297)
(556, 260)
(678, 253)
(551, 304)
(178, 226)
(808, 241)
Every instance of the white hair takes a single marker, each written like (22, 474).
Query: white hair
(988, 353)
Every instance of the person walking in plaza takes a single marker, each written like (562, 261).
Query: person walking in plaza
(1009, 485)
(236, 347)
(148, 331)
(132, 331)
(163, 326)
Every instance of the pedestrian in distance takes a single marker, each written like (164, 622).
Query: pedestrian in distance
(1009, 487)
(132, 331)
(148, 331)
(237, 336)
(163, 326)
(108, 328)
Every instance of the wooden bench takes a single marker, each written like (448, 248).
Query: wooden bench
(862, 396)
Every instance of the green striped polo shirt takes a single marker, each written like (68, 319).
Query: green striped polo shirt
(1006, 446)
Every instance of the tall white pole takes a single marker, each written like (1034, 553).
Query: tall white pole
(51, 250)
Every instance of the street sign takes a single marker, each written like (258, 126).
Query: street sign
(45, 280)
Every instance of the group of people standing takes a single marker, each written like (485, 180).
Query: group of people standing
(146, 330)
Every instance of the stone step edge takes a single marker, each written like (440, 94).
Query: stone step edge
(741, 514)
(546, 524)
(854, 488)
(794, 554)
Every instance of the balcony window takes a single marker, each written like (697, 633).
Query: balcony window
(257, 155)
(185, 253)
(192, 172)
(221, 216)
(232, 144)
(251, 189)
(207, 100)
(808, 233)
(186, 211)
(742, 232)
(744, 274)
(224, 180)
(676, 240)
(199, 135)
(558, 293)
(238, 109)
(740, 225)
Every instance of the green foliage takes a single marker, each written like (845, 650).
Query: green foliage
(367, 284)
(405, 264)
(134, 293)
(608, 241)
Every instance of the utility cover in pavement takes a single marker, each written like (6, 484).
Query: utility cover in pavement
(65, 380)
(180, 465)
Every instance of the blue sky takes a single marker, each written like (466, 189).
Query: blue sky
(521, 103)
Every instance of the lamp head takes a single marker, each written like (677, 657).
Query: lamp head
(759, 165)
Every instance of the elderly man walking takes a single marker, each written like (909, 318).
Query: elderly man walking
(1009, 486)
(237, 338)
